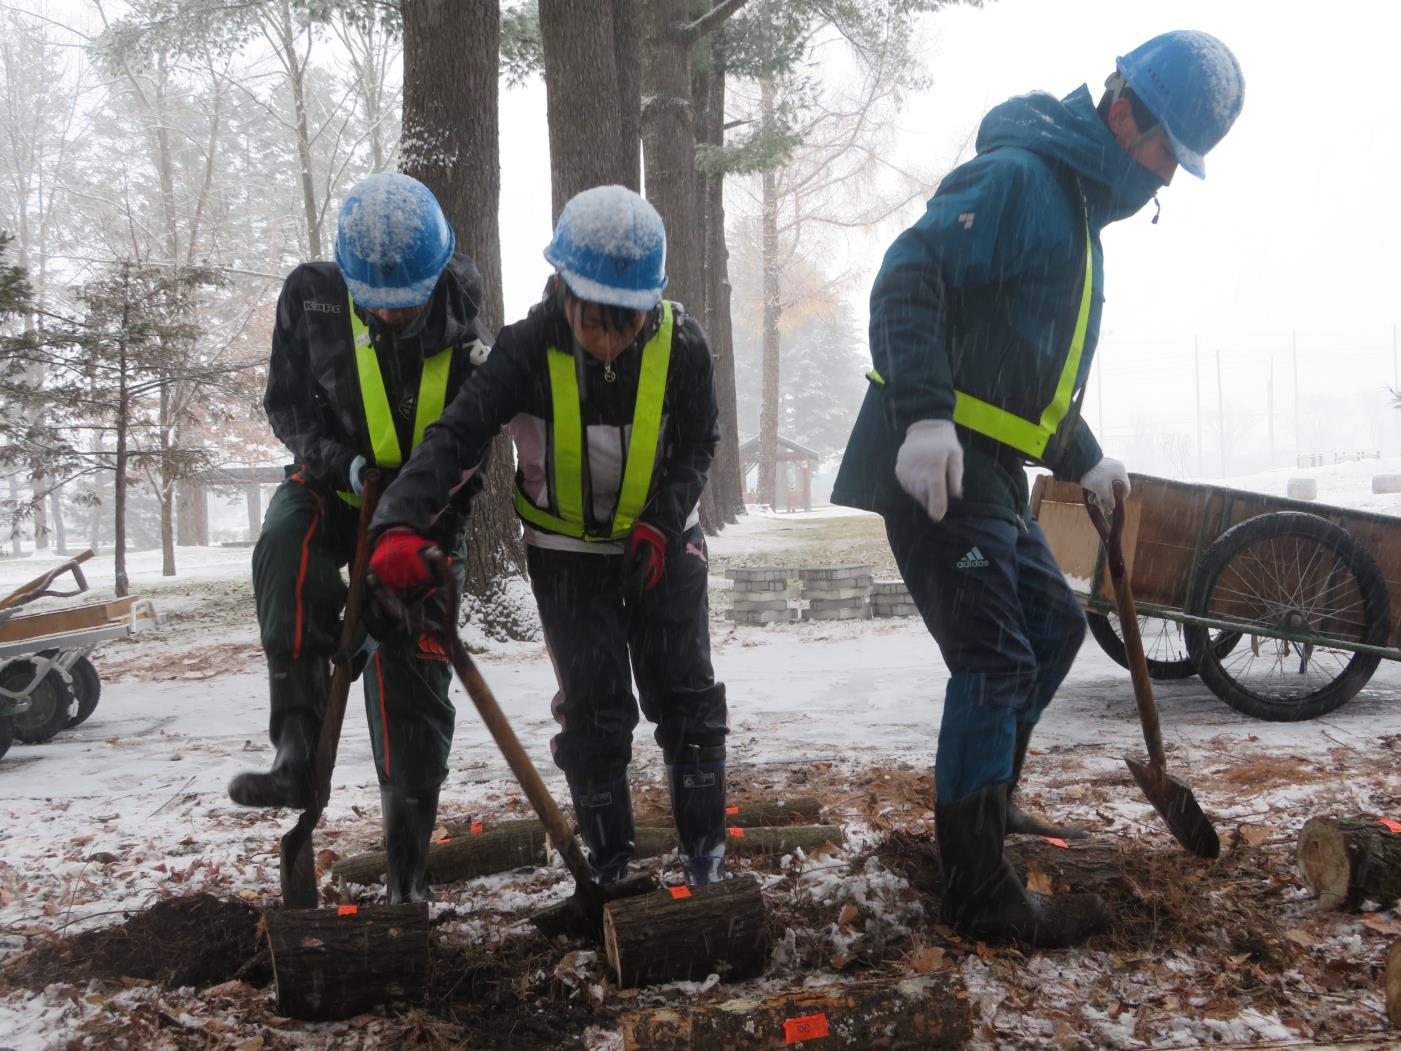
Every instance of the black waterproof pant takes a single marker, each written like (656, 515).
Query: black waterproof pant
(593, 634)
(308, 535)
(1007, 624)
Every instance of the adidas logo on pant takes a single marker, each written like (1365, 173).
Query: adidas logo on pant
(973, 560)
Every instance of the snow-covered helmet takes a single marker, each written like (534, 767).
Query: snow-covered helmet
(392, 242)
(610, 247)
(1192, 83)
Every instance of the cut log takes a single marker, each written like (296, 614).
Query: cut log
(334, 963)
(917, 1013)
(800, 810)
(506, 846)
(1347, 861)
(1393, 985)
(680, 934)
(747, 842)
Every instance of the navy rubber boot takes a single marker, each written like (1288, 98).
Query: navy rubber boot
(697, 785)
(603, 808)
(297, 691)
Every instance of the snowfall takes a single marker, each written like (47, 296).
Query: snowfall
(130, 807)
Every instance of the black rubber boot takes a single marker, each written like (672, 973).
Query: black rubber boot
(408, 818)
(697, 784)
(297, 692)
(603, 808)
(1019, 822)
(984, 898)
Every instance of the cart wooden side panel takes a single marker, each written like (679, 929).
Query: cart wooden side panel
(1171, 525)
(62, 621)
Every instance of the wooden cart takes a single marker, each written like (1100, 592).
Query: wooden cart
(47, 681)
(1283, 607)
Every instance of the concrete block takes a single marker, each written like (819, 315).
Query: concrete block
(889, 587)
(738, 573)
(1386, 483)
(761, 617)
(1307, 488)
(831, 587)
(837, 614)
(750, 606)
(836, 593)
(840, 572)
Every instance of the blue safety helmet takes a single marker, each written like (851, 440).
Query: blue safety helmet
(610, 247)
(1192, 83)
(393, 241)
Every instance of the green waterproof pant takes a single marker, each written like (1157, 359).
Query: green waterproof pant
(308, 535)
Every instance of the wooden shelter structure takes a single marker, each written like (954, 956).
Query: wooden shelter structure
(796, 462)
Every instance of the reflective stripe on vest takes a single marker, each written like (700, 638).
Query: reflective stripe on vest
(1029, 436)
(569, 444)
(379, 419)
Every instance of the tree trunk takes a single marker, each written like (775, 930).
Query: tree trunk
(334, 963)
(456, 857)
(652, 840)
(16, 547)
(723, 499)
(669, 144)
(450, 143)
(627, 39)
(930, 1011)
(296, 84)
(773, 308)
(1347, 861)
(686, 935)
(191, 514)
(56, 513)
(36, 504)
(167, 485)
(122, 584)
(584, 99)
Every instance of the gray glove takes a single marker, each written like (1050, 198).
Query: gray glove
(1099, 481)
(929, 465)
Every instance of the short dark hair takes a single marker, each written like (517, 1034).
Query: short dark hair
(1142, 115)
(614, 318)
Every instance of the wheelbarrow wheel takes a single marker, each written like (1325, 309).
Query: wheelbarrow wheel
(7, 733)
(1164, 645)
(51, 702)
(1304, 592)
(87, 689)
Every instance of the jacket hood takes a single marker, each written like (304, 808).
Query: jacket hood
(1070, 132)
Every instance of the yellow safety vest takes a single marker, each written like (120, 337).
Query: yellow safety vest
(1030, 436)
(565, 515)
(379, 420)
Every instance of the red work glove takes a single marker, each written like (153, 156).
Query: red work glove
(398, 561)
(645, 563)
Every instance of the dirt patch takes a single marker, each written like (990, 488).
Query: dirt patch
(199, 940)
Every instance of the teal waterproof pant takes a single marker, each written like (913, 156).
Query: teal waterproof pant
(308, 536)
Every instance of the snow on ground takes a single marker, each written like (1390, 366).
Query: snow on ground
(130, 806)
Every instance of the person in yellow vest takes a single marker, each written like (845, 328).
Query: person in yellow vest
(365, 353)
(610, 396)
(984, 320)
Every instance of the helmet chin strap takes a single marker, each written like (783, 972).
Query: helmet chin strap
(1159, 210)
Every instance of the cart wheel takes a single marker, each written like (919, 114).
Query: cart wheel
(7, 733)
(1163, 644)
(87, 688)
(1297, 573)
(50, 702)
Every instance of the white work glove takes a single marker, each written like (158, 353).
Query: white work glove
(1099, 481)
(929, 465)
(357, 474)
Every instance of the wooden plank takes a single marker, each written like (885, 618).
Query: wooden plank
(63, 621)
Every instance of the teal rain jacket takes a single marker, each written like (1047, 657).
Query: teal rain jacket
(982, 294)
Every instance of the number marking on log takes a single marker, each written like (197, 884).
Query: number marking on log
(804, 1027)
